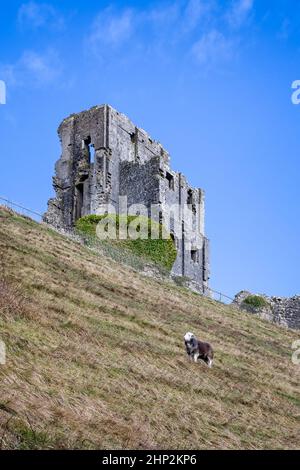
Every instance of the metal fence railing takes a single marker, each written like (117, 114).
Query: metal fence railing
(218, 296)
(211, 293)
(21, 209)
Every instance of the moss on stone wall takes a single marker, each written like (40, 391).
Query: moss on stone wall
(161, 251)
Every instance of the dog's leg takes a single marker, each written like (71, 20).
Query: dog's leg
(209, 362)
(196, 355)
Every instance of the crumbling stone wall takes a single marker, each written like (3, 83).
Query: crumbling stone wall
(127, 162)
(284, 311)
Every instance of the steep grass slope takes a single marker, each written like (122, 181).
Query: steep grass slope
(95, 357)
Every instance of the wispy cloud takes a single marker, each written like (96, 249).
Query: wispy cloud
(213, 47)
(33, 68)
(285, 29)
(169, 26)
(239, 12)
(110, 28)
(43, 68)
(160, 24)
(162, 15)
(37, 15)
(195, 12)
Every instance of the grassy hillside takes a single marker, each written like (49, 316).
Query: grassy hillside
(95, 357)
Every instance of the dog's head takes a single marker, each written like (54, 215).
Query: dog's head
(188, 337)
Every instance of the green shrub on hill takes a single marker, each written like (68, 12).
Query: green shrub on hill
(255, 302)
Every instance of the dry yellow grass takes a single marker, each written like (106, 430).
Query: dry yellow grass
(95, 357)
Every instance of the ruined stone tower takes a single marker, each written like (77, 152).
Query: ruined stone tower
(105, 156)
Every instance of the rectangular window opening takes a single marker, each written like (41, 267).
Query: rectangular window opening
(79, 201)
(194, 256)
(170, 179)
(89, 149)
(190, 201)
(92, 153)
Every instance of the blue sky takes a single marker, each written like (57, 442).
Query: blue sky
(209, 79)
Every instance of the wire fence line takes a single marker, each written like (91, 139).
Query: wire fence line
(218, 296)
(21, 209)
(208, 292)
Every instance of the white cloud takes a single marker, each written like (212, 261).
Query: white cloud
(149, 28)
(180, 17)
(195, 11)
(162, 15)
(213, 47)
(33, 68)
(218, 45)
(44, 68)
(169, 25)
(285, 29)
(239, 12)
(110, 28)
(37, 15)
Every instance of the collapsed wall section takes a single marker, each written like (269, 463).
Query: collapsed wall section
(81, 178)
(284, 311)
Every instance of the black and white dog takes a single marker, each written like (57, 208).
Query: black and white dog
(198, 350)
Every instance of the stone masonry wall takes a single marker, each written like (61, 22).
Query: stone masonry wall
(284, 311)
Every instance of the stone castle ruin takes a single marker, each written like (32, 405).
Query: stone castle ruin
(105, 157)
(284, 311)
